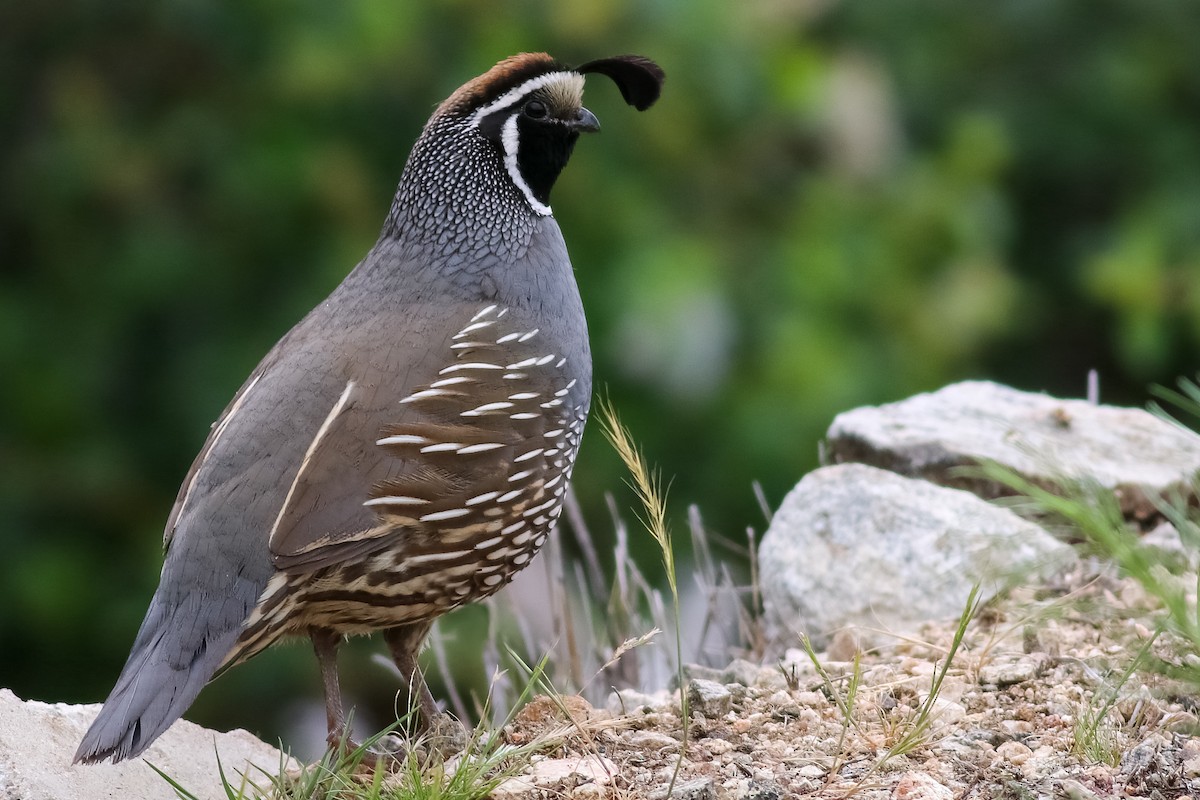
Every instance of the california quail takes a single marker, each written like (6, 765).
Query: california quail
(404, 449)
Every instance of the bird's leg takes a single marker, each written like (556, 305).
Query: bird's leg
(325, 643)
(405, 642)
(443, 733)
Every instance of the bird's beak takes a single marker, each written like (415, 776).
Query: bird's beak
(584, 122)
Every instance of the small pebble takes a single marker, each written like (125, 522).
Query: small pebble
(1006, 671)
(1014, 753)
(918, 786)
(648, 740)
(1074, 790)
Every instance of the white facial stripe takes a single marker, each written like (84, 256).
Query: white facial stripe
(511, 142)
(531, 85)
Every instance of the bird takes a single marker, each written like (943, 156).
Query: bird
(404, 450)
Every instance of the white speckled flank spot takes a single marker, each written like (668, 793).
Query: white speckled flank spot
(534, 453)
(468, 365)
(424, 394)
(474, 326)
(530, 512)
(483, 312)
(480, 448)
(441, 447)
(438, 384)
(440, 516)
(426, 558)
(487, 408)
(396, 500)
(403, 438)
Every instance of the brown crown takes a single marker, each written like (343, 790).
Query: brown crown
(508, 74)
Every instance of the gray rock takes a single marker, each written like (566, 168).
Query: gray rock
(1045, 439)
(38, 741)
(744, 672)
(709, 698)
(1010, 670)
(631, 701)
(857, 547)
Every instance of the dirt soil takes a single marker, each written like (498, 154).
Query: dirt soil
(1009, 722)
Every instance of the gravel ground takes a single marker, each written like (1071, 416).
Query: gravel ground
(1004, 726)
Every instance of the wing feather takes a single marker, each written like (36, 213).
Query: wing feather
(429, 465)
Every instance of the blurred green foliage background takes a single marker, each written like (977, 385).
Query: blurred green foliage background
(834, 204)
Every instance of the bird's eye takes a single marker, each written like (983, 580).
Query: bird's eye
(535, 109)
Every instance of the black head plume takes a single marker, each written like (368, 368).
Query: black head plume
(639, 79)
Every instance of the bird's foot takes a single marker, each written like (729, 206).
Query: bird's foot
(440, 738)
(360, 758)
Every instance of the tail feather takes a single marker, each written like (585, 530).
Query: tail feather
(178, 648)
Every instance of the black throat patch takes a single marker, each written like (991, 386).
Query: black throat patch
(542, 147)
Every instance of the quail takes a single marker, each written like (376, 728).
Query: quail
(404, 450)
